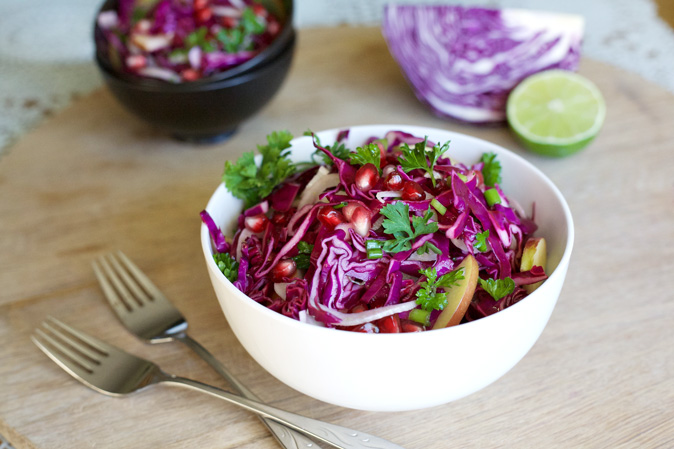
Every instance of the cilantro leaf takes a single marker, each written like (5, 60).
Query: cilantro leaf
(245, 180)
(397, 224)
(497, 288)
(421, 158)
(369, 154)
(480, 243)
(231, 39)
(228, 265)
(428, 296)
(338, 149)
(304, 252)
(250, 23)
(491, 172)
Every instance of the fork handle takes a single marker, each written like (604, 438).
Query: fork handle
(286, 437)
(336, 436)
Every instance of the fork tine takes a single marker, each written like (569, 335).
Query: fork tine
(145, 281)
(76, 352)
(141, 295)
(108, 290)
(118, 290)
(90, 346)
(61, 354)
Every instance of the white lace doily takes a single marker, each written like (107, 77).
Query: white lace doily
(46, 47)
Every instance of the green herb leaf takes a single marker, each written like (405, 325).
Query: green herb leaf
(338, 150)
(228, 265)
(480, 243)
(304, 252)
(491, 172)
(397, 224)
(428, 246)
(420, 157)
(428, 296)
(251, 23)
(498, 288)
(369, 154)
(245, 180)
(230, 39)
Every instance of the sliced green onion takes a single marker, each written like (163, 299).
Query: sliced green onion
(462, 177)
(340, 205)
(492, 196)
(437, 205)
(374, 253)
(373, 244)
(420, 316)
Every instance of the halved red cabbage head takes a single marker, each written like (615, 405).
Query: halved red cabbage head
(462, 62)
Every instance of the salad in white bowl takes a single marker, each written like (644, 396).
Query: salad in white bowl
(354, 287)
(391, 236)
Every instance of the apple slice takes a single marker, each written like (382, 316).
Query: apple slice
(459, 296)
(535, 253)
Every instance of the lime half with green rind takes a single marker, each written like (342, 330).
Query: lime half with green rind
(556, 112)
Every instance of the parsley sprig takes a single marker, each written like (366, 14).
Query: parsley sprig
(238, 38)
(302, 259)
(480, 243)
(338, 150)
(428, 297)
(368, 154)
(245, 180)
(421, 158)
(397, 224)
(491, 171)
(497, 288)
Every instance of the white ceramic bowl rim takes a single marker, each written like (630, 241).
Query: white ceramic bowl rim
(416, 130)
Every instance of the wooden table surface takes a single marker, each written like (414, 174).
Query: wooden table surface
(94, 179)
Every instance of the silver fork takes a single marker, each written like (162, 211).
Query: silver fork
(109, 370)
(148, 314)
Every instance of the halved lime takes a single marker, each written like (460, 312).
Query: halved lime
(556, 112)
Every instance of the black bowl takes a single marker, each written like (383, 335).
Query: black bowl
(202, 112)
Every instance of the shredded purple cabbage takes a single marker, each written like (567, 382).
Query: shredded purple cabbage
(178, 41)
(302, 263)
(462, 62)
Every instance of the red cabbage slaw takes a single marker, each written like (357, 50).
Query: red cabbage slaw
(179, 41)
(322, 248)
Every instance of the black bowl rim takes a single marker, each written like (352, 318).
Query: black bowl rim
(200, 87)
(270, 52)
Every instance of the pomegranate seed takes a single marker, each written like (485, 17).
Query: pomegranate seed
(412, 191)
(282, 218)
(410, 326)
(273, 27)
(330, 217)
(394, 181)
(256, 223)
(389, 324)
(283, 269)
(362, 220)
(135, 62)
(190, 75)
(259, 10)
(366, 177)
(228, 22)
(203, 14)
(200, 4)
(349, 209)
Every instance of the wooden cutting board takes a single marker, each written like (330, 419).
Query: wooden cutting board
(94, 179)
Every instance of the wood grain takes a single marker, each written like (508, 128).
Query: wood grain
(93, 179)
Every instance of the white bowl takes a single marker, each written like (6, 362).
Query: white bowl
(380, 372)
